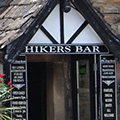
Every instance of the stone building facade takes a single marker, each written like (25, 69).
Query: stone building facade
(110, 10)
(57, 54)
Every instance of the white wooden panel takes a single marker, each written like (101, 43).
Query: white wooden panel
(40, 37)
(72, 21)
(52, 23)
(88, 35)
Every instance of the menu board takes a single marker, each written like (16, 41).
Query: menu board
(108, 88)
(18, 74)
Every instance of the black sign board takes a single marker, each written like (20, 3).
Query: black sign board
(18, 79)
(65, 49)
(108, 88)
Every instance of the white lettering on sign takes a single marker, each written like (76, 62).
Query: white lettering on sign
(79, 49)
(96, 49)
(109, 115)
(108, 76)
(18, 92)
(108, 70)
(108, 100)
(20, 106)
(62, 49)
(108, 95)
(67, 49)
(17, 111)
(108, 90)
(18, 80)
(43, 49)
(104, 60)
(52, 49)
(108, 87)
(19, 116)
(87, 49)
(108, 73)
(19, 61)
(108, 66)
(19, 102)
(108, 105)
(18, 67)
(18, 73)
(19, 97)
(108, 110)
(30, 48)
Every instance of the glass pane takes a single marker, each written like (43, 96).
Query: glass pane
(83, 90)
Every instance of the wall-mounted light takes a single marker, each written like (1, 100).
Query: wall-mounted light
(66, 5)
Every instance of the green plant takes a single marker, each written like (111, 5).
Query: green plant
(5, 96)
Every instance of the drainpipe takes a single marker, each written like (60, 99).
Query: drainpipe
(95, 71)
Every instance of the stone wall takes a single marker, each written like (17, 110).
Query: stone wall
(111, 11)
(59, 99)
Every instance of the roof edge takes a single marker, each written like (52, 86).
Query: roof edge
(85, 8)
(111, 40)
(17, 46)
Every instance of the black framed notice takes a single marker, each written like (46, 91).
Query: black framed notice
(108, 87)
(18, 74)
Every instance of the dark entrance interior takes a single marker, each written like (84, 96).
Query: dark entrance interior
(37, 90)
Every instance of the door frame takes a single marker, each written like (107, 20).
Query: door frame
(93, 103)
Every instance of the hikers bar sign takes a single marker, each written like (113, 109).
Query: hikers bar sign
(108, 88)
(65, 49)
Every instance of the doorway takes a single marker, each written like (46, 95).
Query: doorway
(37, 90)
(53, 76)
(48, 82)
(83, 85)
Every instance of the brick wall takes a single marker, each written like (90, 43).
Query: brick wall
(111, 11)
